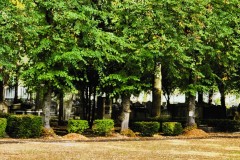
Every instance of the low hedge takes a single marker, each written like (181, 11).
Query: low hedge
(77, 126)
(172, 128)
(24, 126)
(223, 125)
(3, 125)
(103, 126)
(146, 128)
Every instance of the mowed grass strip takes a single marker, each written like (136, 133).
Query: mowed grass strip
(219, 149)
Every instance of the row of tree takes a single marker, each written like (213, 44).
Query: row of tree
(90, 47)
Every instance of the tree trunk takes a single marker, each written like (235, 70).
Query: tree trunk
(16, 91)
(167, 97)
(191, 110)
(210, 97)
(222, 93)
(221, 88)
(200, 97)
(101, 107)
(89, 105)
(109, 102)
(60, 112)
(157, 91)
(191, 102)
(46, 108)
(1, 91)
(82, 103)
(93, 107)
(126, 111)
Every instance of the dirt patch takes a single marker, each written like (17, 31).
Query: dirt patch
(195, 133)
(74, 136)
(227, 148)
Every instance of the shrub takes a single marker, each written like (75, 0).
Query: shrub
(103, 126)
(77, 126)
(24, 126)
(172, 128)
(161, 120)
(3, 125)
(223, 125)
(146, 128)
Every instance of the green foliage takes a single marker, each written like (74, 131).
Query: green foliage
(77, 126)
(60, 44)
(103, 126)
(223, 125)
(172, 128)
(146, 128)
(24, 126)
(3, 125)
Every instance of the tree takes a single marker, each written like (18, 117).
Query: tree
(222, 36)
(11, 43)
(68, 47)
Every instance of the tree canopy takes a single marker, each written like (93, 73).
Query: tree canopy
(111, 46)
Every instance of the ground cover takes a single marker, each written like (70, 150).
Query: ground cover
(194, 144)
(167, 148)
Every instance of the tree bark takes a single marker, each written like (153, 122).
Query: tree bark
(222, 93)
(1, 91)
(46, 108)
(101, 107)
(200, 97)
(109, 102)
(125, 112)
(93, 107)
(210, 97)
(221, 88)
(16, 91)
(157, 91)
(191, 102)
(60, 111)
(82, 103)
(191, 110)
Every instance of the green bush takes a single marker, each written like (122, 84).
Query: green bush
(3, 125)
(223, 125)
(146, 128)
(103, 126)
(172, 128)
(77, 126)
(161, 120)
(24, 126)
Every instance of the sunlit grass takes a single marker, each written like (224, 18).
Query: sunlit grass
(220, 149)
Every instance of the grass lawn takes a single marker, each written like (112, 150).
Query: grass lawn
(212, 148)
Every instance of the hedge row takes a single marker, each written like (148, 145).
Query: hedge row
(30, 126)
(3, 125)
(172, 128)
(100, 126)
(146, 128)
(77, 126)
(223, 125)
(105, 126)
(24, 126)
